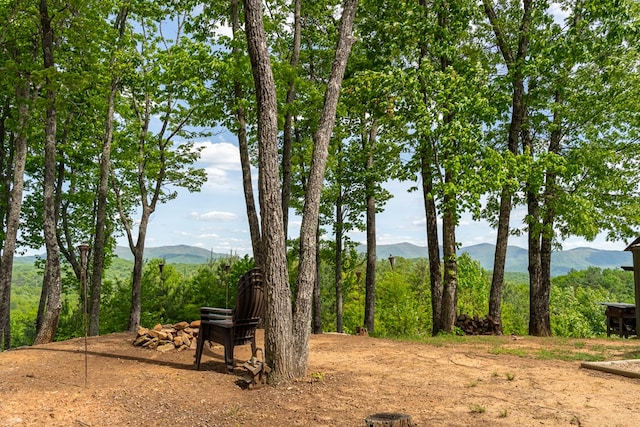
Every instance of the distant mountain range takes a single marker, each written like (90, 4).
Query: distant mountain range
(517, 258)
(180, 254)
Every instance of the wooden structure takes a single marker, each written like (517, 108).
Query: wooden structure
(621, 318)
(388, 419)
(634, 248)
(232, 327)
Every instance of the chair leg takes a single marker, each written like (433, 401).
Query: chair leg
(228, 352)
(199, 348)
(254, 348)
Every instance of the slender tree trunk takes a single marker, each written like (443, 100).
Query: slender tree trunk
(536, 292)
(138, 263)
(370, 279)
(287, 141)
(338, 271)
(543, 320)
(311, 211)
(243, 146)
(427, 162)
(450, 288)
(279, 341)
(515, 64)
(538, 310)
(18, 162)
(317, 301)
(370, 274)
(100, 239)
(7, 175)
(52, 276)
(450, 279)
(433, 245)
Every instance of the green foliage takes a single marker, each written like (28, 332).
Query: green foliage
(24, 309)
(474, 284)
(400, 312)
(515, 306)
(575, 300)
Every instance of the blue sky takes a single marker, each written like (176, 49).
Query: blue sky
(215, 218)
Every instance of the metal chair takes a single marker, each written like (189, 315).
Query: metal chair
(237, 326)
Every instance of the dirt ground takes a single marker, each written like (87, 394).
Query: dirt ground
(497, 381)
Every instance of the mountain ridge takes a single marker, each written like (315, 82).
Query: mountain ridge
(517, 258)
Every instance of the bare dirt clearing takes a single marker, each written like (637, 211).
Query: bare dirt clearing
(480, 381)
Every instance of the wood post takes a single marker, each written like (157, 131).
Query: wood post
(387, 419)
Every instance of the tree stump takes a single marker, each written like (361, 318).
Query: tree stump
(388, 419)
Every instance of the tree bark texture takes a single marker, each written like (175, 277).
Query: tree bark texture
(12, 219)
(433, 244)
(278, 311)
(450, 280)
(543, 327)
(537, 308)
(287, 139)
(370, 287)
(311, 211)
(53, 305)
(243, 146)
(317, 300)
(515, 64)
(338, 271)
(100, 239)
(427, 165)
(136, 286)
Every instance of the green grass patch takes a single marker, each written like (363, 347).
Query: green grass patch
(568, 356)
(520, 352)
(477, 409)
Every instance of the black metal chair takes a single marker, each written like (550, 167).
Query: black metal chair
(237, 326)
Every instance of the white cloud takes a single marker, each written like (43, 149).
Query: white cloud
(215, 216)
(220, 155)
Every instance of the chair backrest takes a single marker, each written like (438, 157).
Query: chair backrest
(249, 304)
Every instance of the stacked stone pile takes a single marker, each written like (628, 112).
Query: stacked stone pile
(180, 336)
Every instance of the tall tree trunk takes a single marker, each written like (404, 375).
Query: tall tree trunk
(339, 252)
(537, 308)
(370, 278)
(450, 279)
(52, 276)
(287, 140)
(243, 146)
(450, 282)
(433, 245)
(100, 238)
(311, 211)
(285, 337)
(14, 205)
(317, 300)
(279, 340)
(138, 263)
(515, 64)
(427, 162)
(543, 321)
